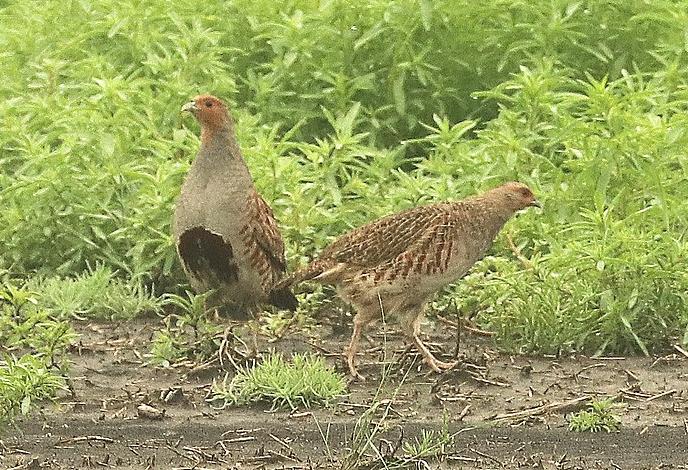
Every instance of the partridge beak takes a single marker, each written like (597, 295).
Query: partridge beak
(190, 107)
(536, 203)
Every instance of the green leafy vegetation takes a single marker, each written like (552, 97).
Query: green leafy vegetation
(304, 381)
(346, 111)
(33, 343)
(430, 445)
(599, 417)
(36, 330)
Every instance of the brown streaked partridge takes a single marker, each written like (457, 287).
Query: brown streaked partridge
(392, 266)
(226, 235)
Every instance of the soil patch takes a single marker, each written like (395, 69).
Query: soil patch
(505, 411)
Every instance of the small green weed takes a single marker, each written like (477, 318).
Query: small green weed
(24, 381)
(599, 417)
(40, 340)
(166, 349)
(26, 325)
(188, 333)
(431, 445)
(277, 324)
(305, 381)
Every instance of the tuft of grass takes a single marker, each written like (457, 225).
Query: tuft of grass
(23, 382)
(96, 293)
(430, 445)
(26, 326)
(304, 381)
(367, 452)
(598, 417)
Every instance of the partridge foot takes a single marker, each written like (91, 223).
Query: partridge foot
(439, 366)
(352, 367)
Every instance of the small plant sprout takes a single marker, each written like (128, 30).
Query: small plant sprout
(598, 417)
(166, 349)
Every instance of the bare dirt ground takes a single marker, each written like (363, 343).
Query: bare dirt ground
(506, 411)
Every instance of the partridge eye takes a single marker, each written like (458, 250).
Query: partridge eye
(209, 104)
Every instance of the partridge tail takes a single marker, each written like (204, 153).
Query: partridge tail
(313, 270)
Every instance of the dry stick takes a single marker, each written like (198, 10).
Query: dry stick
(460, 458)
(477, 378)
(631, 395)
(85, 438)
(275, 453)
(458, 330)
(180, 454)
(542, 409)
(681, 350)
(323, 350)
(631, 375)
(517, 252)
(482, 454)
(463, 413)
(281, 442)
(470, 329)
(238, 439)
(660, 395)
(591, 366)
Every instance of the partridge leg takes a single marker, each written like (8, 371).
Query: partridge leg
(434, 363)
(361, 319)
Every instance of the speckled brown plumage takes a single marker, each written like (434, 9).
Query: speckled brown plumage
(393, 265)
(226, 234)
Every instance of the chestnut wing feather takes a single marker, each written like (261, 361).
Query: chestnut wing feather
(429, 253)
(262, 235)
(384, 239)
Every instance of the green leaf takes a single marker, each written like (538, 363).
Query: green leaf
(346, 125)
(369, 35)
(399, 94)
(426, 10)
(600, 195)
(637, 339)
(107, 144)
(633, 300)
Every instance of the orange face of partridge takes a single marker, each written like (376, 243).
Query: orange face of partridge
(210, 111)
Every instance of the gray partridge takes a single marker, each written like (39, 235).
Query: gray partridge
(226, 235)
(393, 265)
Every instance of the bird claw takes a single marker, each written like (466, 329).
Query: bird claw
(440, 366)
(357, 375)
(353, 371)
